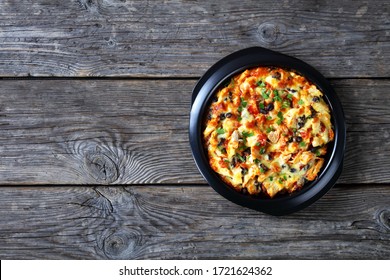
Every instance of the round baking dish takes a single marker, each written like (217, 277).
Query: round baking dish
(202, 94)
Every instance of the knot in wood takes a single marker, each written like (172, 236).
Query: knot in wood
(384, 219)
(101, 167)
(122, 244)
(270, 32)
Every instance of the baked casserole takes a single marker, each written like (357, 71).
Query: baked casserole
(267, 130)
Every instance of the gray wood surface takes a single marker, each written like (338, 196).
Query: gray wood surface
(188, 222)
(64, 141)
(136, 131)
(183, 38)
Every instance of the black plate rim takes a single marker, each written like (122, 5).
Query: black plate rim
(218, 74)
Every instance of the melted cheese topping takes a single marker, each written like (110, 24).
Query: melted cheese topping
(267, 131)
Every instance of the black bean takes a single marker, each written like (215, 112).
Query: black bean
(316, 99)
(257, 185)
(244, 171)
(221, 141)
(276, 75)
(262, 166)
(263, 111)
(297, 138)
(293, 170)
(230, 96)
(269, 107)
(228, 115)
(313, 112)
(209, 117)
(222, 116)
(301, 121)
(314, 149)
(233, 162)
(247, 151)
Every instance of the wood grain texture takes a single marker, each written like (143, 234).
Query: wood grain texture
(136, 131)
(183, 38)
(162, 222)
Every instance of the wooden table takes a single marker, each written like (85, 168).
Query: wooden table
(95, 161)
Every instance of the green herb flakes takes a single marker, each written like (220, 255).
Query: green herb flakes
(220, 131)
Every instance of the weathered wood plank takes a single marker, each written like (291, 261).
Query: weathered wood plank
(135, 131)
(166, 222)
(183, 38)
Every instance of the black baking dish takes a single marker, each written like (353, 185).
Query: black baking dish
(217, 75)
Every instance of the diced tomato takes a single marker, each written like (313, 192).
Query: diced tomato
(219, 107)
(262, 139)
(306, 134)
(251, 124)
(282, 84)
(295, 102)
(253, 109)
(260, 118)
(223, 163)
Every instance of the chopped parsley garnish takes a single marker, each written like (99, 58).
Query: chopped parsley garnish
(289, 96)
(257, 161)
(262, 150)
(261, 105)
(261, 83)
(239, 109)
(220, 131)
(302, 144)
(286, 103)
(262, 170)
(301, 102)
(271, 178)
(269, 118)
(280, 116)
(239, 119)
(258, 144)
(247, 134)
(269, 129)
(280, 181)
(318, 153)
(277, 97)
(264, 93)
(243, 102)
(241, 158)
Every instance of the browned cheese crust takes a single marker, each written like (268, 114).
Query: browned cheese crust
(267, 131)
